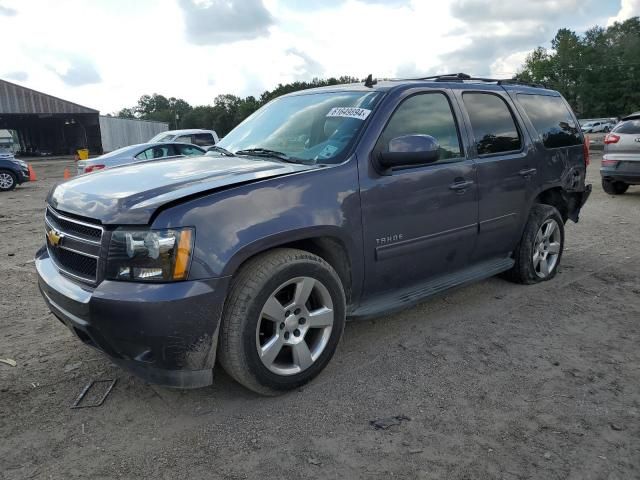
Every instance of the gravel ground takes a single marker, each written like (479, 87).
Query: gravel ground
(491, 381)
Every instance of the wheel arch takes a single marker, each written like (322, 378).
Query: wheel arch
(324, 242)
(568, 203)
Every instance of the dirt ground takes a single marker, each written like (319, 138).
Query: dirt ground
(496, 380)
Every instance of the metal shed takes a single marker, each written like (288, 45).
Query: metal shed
(46, 124)
(49, 125)
(119, 132)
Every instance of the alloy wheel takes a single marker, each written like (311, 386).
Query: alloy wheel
(546, 248)
(6, 181)
(294, 326)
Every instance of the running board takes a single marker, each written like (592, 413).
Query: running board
(394, 301)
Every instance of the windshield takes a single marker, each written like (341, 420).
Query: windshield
(161, 137)
(314, 128)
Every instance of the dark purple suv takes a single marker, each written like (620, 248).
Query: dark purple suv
(346, 201)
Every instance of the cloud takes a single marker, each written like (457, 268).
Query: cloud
(7, 12)
(498, 34)
(309, 68)
(332, 4)
(628, 9)
(17, 76)
(216, 22)
(483, 51)
(76, 71)
(474, 11)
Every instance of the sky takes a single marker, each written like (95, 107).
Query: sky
(105, 54)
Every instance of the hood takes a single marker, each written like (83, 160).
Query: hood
(129, 195)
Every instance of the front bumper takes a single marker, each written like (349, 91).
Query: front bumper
(164, 333)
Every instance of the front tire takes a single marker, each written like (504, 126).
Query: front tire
(613, 187)
(8, 181)
(282, 321)
(538, 254)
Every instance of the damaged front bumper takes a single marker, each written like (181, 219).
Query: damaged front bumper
(164, 333)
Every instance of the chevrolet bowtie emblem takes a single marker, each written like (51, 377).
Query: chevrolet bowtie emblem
(54, 237)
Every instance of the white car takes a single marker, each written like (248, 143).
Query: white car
(195, 136)
(598, 126)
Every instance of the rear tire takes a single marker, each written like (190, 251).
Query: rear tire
(539, 252)
(282, 321)
(8, 181)
(614, 187)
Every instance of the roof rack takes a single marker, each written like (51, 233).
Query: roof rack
(462, 77)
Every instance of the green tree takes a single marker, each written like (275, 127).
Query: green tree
(598, 73)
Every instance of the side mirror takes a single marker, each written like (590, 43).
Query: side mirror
(408, 150)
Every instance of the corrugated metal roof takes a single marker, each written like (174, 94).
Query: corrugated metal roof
(22, 100)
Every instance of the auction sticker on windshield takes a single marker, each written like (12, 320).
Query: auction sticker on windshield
(349, 112)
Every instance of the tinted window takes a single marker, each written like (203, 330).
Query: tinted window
(628, 126)
(552, 120)
(203, 139)
(425, 114)
(184, 139)
(492, 123)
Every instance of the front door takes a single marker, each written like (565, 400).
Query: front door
(421, 221)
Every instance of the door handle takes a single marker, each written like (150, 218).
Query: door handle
(528, 172)
(461, 186)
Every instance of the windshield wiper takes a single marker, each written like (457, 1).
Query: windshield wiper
(223, 151)
(265, 152)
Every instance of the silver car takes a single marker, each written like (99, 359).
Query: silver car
(138, 153)
(621, 160)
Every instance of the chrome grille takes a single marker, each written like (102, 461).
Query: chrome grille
(73, 245)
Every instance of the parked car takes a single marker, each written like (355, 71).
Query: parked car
(202, 138)
(345, 201)
(138, 153)
(598, 126)
(620, 165)
(13, 172)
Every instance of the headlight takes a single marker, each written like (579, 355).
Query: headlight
(150, 255)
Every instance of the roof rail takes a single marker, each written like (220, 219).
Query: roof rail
(462, 77)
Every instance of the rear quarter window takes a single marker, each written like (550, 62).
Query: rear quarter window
(552, 120)
(628, 126)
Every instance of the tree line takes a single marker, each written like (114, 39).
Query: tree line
(226, 112)
(597, 72)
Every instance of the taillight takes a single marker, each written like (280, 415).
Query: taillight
(93, 168)
(609, 163)
(611, 138)
(585, 151)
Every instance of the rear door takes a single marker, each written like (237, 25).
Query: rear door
(421, 221)
(506, 166)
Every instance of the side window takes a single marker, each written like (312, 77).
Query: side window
(155, 152)
(184, 139)
(145, 154)
(203, 139)
(188, 150)
(492, 123)
(552, 120)
(424, 114)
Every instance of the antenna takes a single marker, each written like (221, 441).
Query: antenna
(370, 82)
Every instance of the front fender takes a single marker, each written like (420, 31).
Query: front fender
(237, 223)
